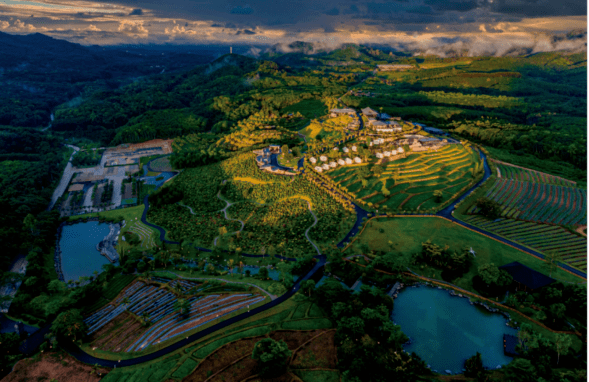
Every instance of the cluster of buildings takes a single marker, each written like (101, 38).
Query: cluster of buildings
(355, 124)
(382, 122)
(326, 164)
(266, 160)
(386, 153)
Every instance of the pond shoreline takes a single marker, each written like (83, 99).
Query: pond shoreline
(57, 260)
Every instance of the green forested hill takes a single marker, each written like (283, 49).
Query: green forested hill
(532, 106)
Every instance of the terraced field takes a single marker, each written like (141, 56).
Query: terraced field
(146, 234)
(118, 328)
(539, 202)
(541, 237)
(412, 181)
(526, 175)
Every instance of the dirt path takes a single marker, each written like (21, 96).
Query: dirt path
(312, 225)
(227, 217)
(581, 229)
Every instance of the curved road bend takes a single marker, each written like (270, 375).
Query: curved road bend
(65, 179)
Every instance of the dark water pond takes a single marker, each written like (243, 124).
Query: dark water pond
(79, 256)
(446, 330)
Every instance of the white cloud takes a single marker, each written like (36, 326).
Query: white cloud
(133, 28)
(482, 28)
(22, 26)
(94, 28)
(179, 30)
(4, 24)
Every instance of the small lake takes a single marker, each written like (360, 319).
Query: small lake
(79, 256)
(445, 330)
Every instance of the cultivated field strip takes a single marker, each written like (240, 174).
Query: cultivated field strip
(541, 237)
(539, 202)
(527, 175)
(117, 327)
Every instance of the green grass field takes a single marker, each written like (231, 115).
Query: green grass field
(408, 233)
(310, 108)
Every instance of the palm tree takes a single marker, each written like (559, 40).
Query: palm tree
(125, 301)
(145, 317)
(182, 306)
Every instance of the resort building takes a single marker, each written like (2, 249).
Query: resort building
(357, 160)
(400, 150)
(370, 113)
(325, 166)
(354, 148)
(335, 149)
(323, 158)
(394, 152)
(274, 149)
(349, 161)
(337, 112)
(387, 153)
(332, 164)
(318, 169)
(379, 155)
(313, 160)
(346, 150)
(341, 162)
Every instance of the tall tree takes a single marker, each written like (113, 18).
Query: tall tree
(272, 357)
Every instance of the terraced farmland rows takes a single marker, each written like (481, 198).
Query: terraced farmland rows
(526, 175)
(541, 237)
(116, 327)
(539, 202)
(411, 181)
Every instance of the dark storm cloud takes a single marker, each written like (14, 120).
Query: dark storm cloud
(245, 31)
(352, 10)
(539, 8)
(452, 5)
(245, 10)
(136, 12)
(332, 12)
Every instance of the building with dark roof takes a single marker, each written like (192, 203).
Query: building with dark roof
(525, 277)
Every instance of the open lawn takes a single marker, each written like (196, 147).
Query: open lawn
(407, 234)
(310, 108)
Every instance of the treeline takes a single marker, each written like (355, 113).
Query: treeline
(212, 97)
(33, 165)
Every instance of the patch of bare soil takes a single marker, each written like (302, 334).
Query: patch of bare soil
(233, 361)
(582, 229)
(58, 366)
(319, 353)
(221, 358)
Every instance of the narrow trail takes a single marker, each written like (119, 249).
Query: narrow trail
(227, 217)
(308, 229)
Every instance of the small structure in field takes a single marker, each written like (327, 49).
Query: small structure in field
(349, 161)
(346, 150)
(357, 160)
(379, 155)
(274, 149)
(354, 148)
(332, 164)
(341, 162)
(400, 150)
(335, 149)
(394, 152)
(313, 160)
(387, 153)
(325, 166)
(323, 158)
(318, 169)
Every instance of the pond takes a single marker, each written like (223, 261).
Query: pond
(79, 256)
(445, 330)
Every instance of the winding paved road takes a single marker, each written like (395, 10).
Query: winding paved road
(65, 179)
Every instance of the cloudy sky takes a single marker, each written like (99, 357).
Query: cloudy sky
(482, 26)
